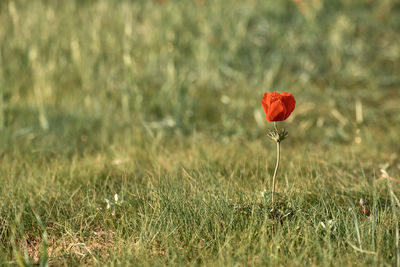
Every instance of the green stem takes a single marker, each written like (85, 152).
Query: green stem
(278, 148)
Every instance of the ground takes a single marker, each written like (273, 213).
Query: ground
(159, 103)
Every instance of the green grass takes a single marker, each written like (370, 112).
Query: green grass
(160, 104)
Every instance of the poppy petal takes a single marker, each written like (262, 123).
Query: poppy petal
(277, 111)
(265, 103)
(289, 102)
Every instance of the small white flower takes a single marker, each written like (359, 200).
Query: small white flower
(109, 203)
(263, 193)
(112, 203)
(329, 224)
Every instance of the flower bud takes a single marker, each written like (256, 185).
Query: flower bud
(366, 212)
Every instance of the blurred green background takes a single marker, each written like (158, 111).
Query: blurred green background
(116, 68)
(98, 97)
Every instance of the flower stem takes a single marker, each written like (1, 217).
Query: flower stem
(278, 148)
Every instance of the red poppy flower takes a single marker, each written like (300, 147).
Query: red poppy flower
(278, 107)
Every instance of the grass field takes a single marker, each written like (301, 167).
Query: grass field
(159, 102)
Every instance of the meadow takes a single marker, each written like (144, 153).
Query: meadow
(159, 103)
